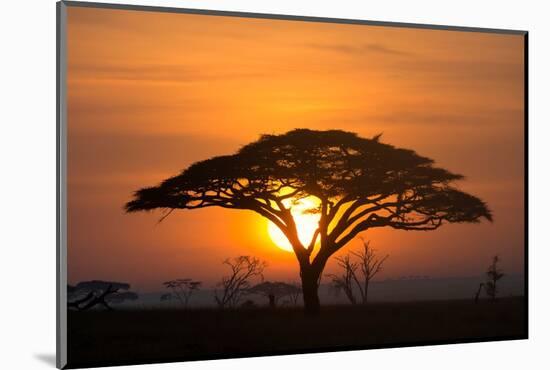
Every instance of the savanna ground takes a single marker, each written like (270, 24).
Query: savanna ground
(122, 337)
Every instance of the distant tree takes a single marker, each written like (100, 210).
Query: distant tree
(121, 297)
(344, 282)
(494, 274)
(358, 183)
(295, 293)
(88, 294)
(359, 273)
(275, 291)
(182, 289)
(243, 270)
(370, 265)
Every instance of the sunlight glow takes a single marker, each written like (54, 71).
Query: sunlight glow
(305, 222)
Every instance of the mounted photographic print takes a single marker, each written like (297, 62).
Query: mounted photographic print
(235, 184)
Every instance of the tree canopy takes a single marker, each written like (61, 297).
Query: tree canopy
(278, 289)
(88, 294)
(365, 182)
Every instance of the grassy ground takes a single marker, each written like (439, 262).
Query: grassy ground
(101, 338)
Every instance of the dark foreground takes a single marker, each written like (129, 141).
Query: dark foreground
(123, 337)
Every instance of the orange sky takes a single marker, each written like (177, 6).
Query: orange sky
(150, 93)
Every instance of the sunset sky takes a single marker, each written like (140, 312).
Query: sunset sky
(150, 93)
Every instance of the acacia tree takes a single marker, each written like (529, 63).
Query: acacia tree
(88, 294)
(358, 184)
(275, 291)
(183, 289)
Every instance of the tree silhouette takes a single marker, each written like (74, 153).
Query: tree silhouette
(88, 294)
(358, 184)
(295, 293)
(344, 282)
(274, 291)
(368, 265)
(243, 270)
(182, 289)
(494, 274)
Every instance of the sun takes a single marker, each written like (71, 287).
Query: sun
(306, 223)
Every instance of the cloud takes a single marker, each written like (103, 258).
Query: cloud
(360, 49)
(136, 71)
(429, 116)
(461, 72)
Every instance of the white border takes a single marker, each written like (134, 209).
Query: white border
(28, 182)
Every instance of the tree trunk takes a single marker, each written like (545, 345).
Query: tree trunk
(310, 288)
